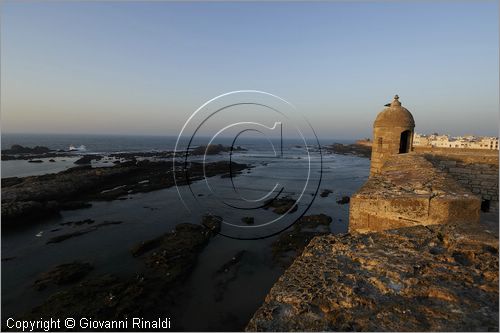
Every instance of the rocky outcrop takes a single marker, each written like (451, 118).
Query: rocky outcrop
(87, 159)
(63, 274)
(281, 205)
(35, 196)
(344, 200)
(173, 254)
(18, 149)
(434, 278)
(356, 149)
(151, 293)
(63, 237)
(227, 274)
(214, 149)
(325, 193)
(18, 152)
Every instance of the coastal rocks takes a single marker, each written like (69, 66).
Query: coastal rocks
(12, 211)
(75, 223)
(41, 195)
(144, 154)
(291, 244)
(146, 246)
(212, 223)
(104, 297)
(173, 254)
(35, 161)
(281, 205)
(18, 149)
(63, 274)
(226, 274)
(325, 193)
(214, 149)
(18, 152)
(344, 200)
(63, 237)
(176, 255)
(394, 280)
(9, 181)
(87, 159)
(152, 293)
(356, 149)
(24, 198)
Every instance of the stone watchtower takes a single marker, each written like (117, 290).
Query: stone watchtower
(392, 134)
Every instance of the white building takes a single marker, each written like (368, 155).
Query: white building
(447, 141)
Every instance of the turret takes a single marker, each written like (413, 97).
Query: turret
(392, 134)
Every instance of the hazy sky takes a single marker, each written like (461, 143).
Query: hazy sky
(142, 68)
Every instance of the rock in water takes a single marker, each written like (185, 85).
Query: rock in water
(87, 159)
(152, 293)
(281, 205)
(63, 274)
(212, 222)
(325, 193)
(344, 200)
(18, 149)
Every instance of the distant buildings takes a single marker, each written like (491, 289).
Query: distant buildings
(447, 141)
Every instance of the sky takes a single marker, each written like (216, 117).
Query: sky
(143, 68)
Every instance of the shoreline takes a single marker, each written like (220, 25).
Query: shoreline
(27, 197)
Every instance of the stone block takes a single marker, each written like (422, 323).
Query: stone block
(460, 170)
(487, 177)
(448, 163)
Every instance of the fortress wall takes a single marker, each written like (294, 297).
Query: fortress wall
(410, 191)
(406, 279)
(460, 151)
(477, 172)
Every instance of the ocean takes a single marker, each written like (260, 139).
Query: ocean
(148, 215)
(121, 143)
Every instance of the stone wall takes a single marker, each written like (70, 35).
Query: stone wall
(436, 278)
(410, 191)
(452, 150)
(475, 171)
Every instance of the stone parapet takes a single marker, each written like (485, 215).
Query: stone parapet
(410, 191)
(434, 278)
(475, 171)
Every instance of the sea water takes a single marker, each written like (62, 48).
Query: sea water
(148, 215)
